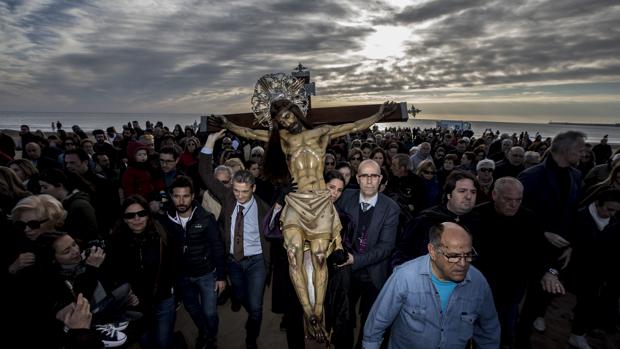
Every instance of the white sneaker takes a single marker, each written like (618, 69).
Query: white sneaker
(120, 325)
(110, 336)
(539, 324)
(578, 341)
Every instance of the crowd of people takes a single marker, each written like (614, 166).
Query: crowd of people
(448, 239)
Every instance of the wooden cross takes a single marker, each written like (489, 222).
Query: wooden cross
(319, 116)
(332, 115)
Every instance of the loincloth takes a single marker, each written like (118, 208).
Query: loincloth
(313, 213)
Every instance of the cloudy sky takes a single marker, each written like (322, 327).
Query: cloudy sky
(518, 60)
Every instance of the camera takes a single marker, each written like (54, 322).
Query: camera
(91, 244)
(96, 243)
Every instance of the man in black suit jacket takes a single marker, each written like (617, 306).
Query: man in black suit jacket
(248, 251)
(376, 218)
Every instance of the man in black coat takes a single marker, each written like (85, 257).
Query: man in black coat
(602, 151)
(203, 274)
(509, 245)
(375, 217)
(552, 189)
(459, 199)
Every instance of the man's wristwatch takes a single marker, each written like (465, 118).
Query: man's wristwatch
(553, 272)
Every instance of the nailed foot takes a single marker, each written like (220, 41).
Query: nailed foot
(316, 330)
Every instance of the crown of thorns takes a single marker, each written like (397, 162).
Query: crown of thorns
(274, 87)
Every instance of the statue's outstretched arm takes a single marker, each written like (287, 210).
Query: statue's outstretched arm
(222, 121)
(386, 109)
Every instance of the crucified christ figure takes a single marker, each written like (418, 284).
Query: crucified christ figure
(309, 220)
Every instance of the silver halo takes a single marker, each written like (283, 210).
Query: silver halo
(273, 87)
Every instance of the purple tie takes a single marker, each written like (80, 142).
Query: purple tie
(238, 247)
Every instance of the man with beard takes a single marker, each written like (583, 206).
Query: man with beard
(202, 275)
(459, 199)
(309, 219)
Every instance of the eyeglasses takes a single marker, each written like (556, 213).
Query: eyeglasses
(167, 161)
(455, 257)
(34, 224)
(130, 215)
(428, 172)
(357, 158)
(372, 176)
(485, 170)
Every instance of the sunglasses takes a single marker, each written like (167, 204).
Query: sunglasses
(34, 224)
(356, 158)
(329, 163)
(130, 215)
(485, 170)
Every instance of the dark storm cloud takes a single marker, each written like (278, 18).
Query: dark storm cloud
(148, 57)
(476, 43)
(434, 9)
(170, 54)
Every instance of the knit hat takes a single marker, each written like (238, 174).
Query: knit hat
(132, 149)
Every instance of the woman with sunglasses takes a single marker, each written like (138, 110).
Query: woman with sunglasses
(28, 304)
(33, 216)
(484, 173)
(139, 253)
(355, 158)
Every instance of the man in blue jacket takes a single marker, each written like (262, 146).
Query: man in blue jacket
(436, 300)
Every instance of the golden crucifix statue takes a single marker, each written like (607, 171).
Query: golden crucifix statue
(309, 221)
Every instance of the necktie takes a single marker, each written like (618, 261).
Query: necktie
(238, 247)
(365, 206)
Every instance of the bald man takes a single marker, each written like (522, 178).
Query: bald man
(35, 154)
(375, 217)
(437, 300)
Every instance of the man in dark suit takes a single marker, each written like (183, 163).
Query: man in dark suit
(248, 251)
(376, 218)
(552, 190)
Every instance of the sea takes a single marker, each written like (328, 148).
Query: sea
(12, 120)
